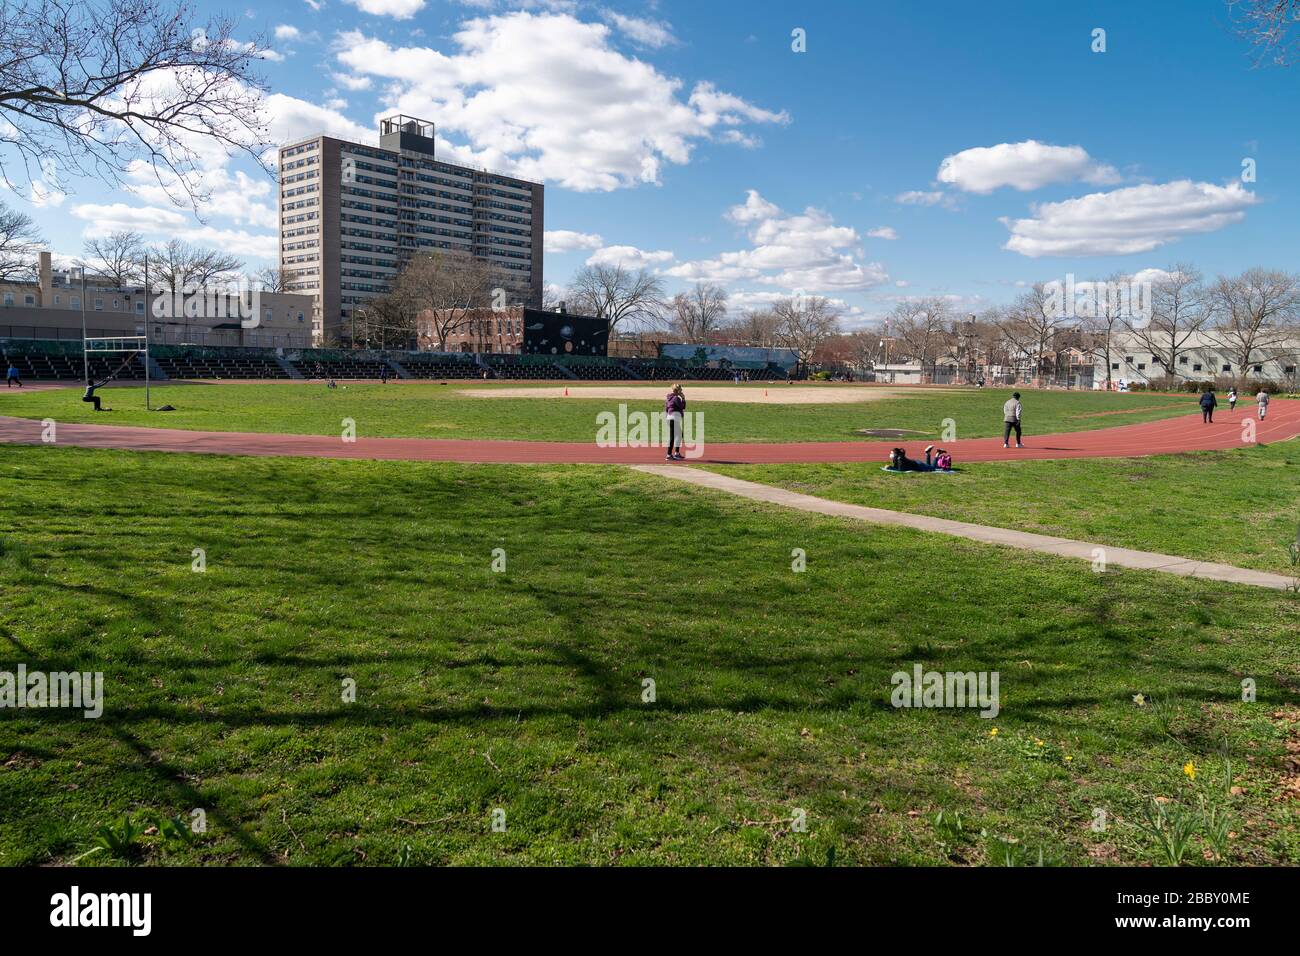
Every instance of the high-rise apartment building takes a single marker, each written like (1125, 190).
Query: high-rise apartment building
(351, 215)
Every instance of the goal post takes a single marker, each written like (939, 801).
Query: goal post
(128, 345)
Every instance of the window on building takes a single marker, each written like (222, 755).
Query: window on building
(1114, 366)
(9, 298)
(1196, 367)
(117, 305)
(1259, 368)
(1227, 368)
(99, 304)
(1183, 360)
(1129, 359)
(29, 300)
(139, 306)
(1141, 366)
(58, 299)
(74, 301)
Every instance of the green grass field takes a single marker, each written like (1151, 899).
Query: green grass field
(1239, 507)
(522, 690)
(429, 410)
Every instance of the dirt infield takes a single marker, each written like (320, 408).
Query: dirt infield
(1167, 436)
(758, 394)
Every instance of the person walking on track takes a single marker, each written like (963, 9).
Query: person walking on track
(1011, 419)
(1208, 403)
(1262, 401)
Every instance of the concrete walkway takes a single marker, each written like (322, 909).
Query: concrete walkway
(1024, 540)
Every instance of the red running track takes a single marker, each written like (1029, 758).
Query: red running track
(1185, 433)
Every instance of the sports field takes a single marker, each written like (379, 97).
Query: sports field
(429, 410)
(499, 625)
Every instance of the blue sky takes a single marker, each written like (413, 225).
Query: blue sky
(691, 138)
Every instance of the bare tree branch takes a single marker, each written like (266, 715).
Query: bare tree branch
(93, 88)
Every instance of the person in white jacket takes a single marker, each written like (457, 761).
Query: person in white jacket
(1011, 419)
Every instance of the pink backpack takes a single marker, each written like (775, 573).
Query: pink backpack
(944, 461)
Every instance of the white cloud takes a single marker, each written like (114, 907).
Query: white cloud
(292, 119)
(350, 82)
(566, 240)
(629, 257)
(287, 31)
(649, 33)
(600, 121)
(397, 9)
(113, 217)
(1023, 166)
(805, 251)
(1125, 221)
(883, 232)
(916, 197)
(236, 241)
(235, 196)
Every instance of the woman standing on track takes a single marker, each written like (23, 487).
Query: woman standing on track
(674, 412)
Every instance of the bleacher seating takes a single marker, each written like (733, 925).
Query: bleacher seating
(61, 360)
(658, 370)
(63, 367)
(524, 367)
(441, 365)
(596, 368)
(204, 365)
(344, 368)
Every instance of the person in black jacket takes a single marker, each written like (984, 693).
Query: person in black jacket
(90, 395)
(1208, 401)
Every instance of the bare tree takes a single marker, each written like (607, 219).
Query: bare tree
(804, 323)
(178, 265)
(19, 243)
(1180, 310)
(1107, 318)
(390, 320)
(553, 296)
(921, 325)
(1032, 323)
(614, 293)
(117, 257)
(1271, 27)
(446, 289)
(1257, 316)
(95, 86)
(865, 348)
(698, 313)
(271, 279)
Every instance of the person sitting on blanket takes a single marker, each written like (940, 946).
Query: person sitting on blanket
(899, 461)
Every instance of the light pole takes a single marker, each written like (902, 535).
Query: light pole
(85, 356)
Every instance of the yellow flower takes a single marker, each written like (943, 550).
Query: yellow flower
(1038, 742)
(1140, 700)
(1068, 758)
(1189, 768)
(993, 732)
